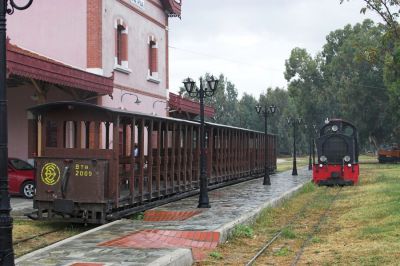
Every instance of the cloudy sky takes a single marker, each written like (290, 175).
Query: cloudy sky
(249, 41)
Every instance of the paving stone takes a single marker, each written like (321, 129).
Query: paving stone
(198, 234)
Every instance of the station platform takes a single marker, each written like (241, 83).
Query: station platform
(177, 233)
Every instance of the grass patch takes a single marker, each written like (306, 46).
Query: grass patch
(287, 164)
(308, 188)
(361, 227)
(288, 233)
(137, 216)
(284, 251)
(242, 231)
(216, 255)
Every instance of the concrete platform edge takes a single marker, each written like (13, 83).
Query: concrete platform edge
(179, 257)
(250, 218)
(39, 251)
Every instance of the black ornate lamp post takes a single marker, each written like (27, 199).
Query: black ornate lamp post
(315, 133)
(310, 145)
(206, 89)
(6, 248)
(266, 111)
(294, 122)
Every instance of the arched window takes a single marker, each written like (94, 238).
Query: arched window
(153, 60)
(121, 46)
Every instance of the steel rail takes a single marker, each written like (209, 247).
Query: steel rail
(279, 232)
(315, 229)
(35, 236)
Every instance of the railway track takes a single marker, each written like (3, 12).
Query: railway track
(295, 218)
(41, 239)
(24, 240)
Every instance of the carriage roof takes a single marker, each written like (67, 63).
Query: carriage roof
(112, 113)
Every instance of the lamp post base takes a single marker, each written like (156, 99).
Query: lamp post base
(6, 248)
(204, 206)
(204, 202)
(294, 172)
(267, 181)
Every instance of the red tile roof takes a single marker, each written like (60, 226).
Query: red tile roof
(177, 102)
(28, 64)
(172, 7)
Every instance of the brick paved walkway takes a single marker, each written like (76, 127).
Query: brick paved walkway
(174, 234)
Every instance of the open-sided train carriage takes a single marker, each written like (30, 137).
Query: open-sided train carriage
(88, 171)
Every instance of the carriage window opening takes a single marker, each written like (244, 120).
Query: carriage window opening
(126, 139)
(51, 134)
(146, 140)
(105, 143)
(69, 134)
(181, 142)
(121, 141)
(169, 139)
(106, 128)
(162, 143)
(135, 131)
(87, 134)
(194, 144)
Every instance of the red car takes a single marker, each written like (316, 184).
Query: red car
(21, 176)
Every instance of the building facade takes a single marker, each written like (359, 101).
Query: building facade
(108, 52)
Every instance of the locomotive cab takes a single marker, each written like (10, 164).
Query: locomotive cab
(337, 149)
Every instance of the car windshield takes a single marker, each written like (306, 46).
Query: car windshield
(20, 164)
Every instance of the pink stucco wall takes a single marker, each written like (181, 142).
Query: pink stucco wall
(128, 103)
(19, 99)
(56, 29)
(139, 30)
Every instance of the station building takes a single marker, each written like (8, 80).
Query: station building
(113, 53)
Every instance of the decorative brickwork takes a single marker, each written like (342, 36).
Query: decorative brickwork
(94, 34)
(201, 242)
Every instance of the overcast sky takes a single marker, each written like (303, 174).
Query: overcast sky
(249, 41)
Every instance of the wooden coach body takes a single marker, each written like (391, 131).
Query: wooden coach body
(87, 169)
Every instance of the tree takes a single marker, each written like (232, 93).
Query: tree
(306, 85)
(353, 70)
(389, 11)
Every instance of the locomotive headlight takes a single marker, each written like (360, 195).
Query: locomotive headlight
(335, 128)
(346, 158)
(323, 159)
(349, 165)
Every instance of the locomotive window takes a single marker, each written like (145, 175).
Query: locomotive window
(347, 130)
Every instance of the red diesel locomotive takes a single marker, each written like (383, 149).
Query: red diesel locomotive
(337, 149)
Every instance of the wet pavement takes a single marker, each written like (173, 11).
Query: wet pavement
(20, 206)
(174, 234)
